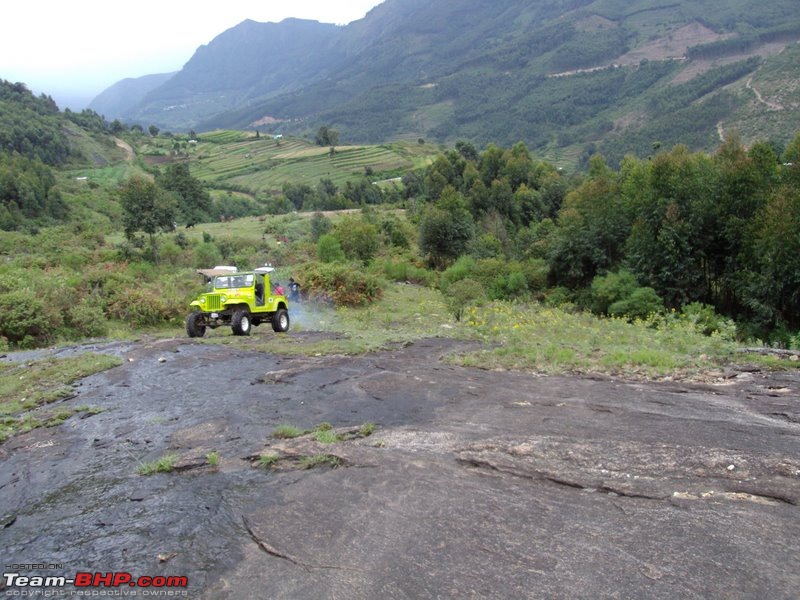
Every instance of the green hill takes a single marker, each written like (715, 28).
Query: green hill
(227, 159)
(567, 77)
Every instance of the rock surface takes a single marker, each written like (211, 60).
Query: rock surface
(474, 483)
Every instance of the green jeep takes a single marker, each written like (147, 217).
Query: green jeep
(239, 300)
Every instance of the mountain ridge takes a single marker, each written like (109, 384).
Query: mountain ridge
(489, 72)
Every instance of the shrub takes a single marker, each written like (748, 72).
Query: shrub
(461, 295)
(24, 321)
(320, 225)
(207, 255)
(399, 270)
(359, 239)
(536, 271)
(706, 320)
(486, 246)
(461, 269)
(142, 307)
(642, 302)
(87, 319)
(329, 250)
(611, 288)
(340, 283)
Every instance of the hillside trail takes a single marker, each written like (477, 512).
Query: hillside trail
(474, 483)
(760, 98)
(130, 155)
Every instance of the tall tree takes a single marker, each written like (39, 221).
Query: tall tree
(147, 208)
(194, 201)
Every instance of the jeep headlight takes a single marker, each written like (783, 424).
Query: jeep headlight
(223, 299)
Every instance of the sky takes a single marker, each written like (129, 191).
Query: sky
(75, 50)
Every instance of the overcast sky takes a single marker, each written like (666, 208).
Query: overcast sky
(78, 48)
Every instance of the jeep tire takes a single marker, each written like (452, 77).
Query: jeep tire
(195, 326)
(240, 322)
(280, 321)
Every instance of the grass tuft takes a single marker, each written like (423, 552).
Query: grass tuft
(165, 464)
(268, 460)
(319, 460)
(287, 432)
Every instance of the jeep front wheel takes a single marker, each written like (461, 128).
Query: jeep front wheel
(195, 325)
(240, 323)
(280, 321)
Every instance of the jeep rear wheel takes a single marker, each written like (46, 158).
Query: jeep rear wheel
(280, 321)
(240, 323)
(195, 325)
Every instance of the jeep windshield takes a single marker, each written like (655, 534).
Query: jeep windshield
(227, 282)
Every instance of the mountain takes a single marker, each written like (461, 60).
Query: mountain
(567, 77)
(125, 95)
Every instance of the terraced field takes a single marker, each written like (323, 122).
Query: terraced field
(263, 164)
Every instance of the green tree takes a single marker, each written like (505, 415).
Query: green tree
(463, 294)
(359, 239)
(446, 228)
(153, 130)
(329, 250)
(194, 201)
(147, 208)
(592, 229)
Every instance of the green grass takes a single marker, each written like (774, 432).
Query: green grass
(287, 432)
(319, 460)
(165, 464)
(404, 314)
(268, 460)
(326, 436)
(212, 458)
(552, 340)
(367, 429)
(28, 386)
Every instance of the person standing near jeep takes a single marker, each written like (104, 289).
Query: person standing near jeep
(294, 290)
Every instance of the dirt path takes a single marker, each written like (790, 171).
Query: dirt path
(474, 484)
(130, 155)
(760, 98)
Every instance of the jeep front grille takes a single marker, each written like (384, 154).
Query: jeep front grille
(212, 303)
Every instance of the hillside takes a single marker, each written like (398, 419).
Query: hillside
(566, 77)
(243, 161)
(125, 95)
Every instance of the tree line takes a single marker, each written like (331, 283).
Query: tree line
(681, 228)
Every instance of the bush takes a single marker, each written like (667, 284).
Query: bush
(536, 271)
(398, 270)
(329, 250)
(611, 288)
(641, 303)
(142, 307)
(706, 320)
(207, 255)
(86, 319)
(339, 283)
(459, 270)
(24, 321)
(461, 295)
(359, 239)
(320, 225)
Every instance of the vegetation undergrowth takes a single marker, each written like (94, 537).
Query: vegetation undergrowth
(25, 388)
(531, 336)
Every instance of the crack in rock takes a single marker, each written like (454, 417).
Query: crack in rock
(272, 551)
